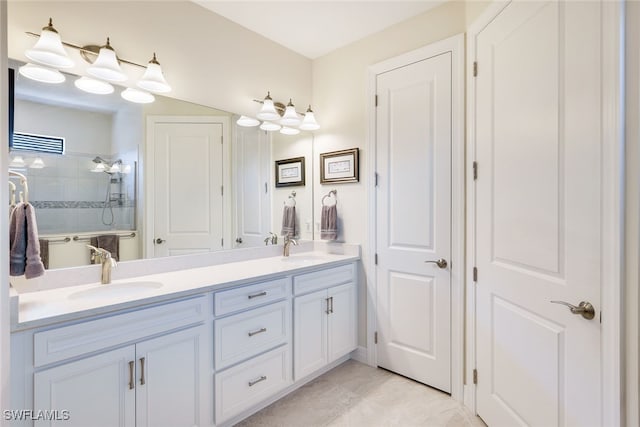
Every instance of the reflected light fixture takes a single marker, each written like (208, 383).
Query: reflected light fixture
(94, 86)
(106, 66)
(153, 79)
(289, 131)
(309, 121)
(137, 96)
(270, 126)
(100, 167)
(48, 50)
(41, 74)
(17, 162)
(247, 122)
(290, 117)
(268, 110)
(37, 163)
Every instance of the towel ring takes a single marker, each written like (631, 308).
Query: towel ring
(335, 197)
(292, 198)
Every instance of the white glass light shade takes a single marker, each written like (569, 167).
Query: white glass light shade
(99, 167)
(90, 85)
(137, 96)
(37, 163)
(290, 117)
(114, 168)
(153, 79)
(247, 122)
(126, 169)
(106, 66)
(17, 162)
(268, 110)
(48, 50)
(270, 126)
(309, 121)
(289, 131)
(41, 74)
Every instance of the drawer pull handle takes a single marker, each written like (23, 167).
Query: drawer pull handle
(257, 380)
(131, 383)
(142, 381)
(259, 294)
(259, 331)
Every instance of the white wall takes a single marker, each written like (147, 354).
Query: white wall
(340, 97)
(206, 58)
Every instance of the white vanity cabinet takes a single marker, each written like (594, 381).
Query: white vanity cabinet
(325, 320)
(148, 368)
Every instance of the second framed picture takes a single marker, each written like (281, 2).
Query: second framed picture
(290, 172)
(339, 166)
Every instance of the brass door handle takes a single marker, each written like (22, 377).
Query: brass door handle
(441, 263)
(585, 309)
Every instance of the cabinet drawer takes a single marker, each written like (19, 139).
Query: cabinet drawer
(249, 383)
(323, 279)
(244, 297)
(66, 342)
(244, 335)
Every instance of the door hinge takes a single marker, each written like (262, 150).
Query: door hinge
(375, 178)
(222, 190)
(221, 139)
(475, 69)
(375, 259)
(475, 170)
(475, 274)
(475, 376)
(222, 242)
(376, 100)
(375, 337)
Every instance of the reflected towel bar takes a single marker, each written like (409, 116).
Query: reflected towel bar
(87, 238)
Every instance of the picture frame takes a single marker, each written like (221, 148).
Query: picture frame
(340, 166)
(290, 172)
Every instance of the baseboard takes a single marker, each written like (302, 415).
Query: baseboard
(361, 355)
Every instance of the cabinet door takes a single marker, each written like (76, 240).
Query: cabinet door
(95, 391)
(310, 333)
(342, 318)
(173, 380)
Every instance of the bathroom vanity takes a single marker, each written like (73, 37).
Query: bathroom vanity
(198, 347)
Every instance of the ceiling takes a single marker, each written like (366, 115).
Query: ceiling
(314, 28)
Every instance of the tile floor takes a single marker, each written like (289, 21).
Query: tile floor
(356, 395)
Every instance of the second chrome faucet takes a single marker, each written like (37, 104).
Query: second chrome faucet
(106, 260)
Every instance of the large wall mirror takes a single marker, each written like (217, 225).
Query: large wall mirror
(169, 178)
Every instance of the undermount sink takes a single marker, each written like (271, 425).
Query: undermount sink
(303, 259)
(115, 290)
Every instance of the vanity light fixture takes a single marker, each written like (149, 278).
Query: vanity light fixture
(94, 86)
(48, 50)
(41, 74)
(17, 162)
(290, 117)
(106, 66)
(137, 96)
(270, 126)
(268, 110)
(289, 131)
(247, 122)
(153, 79)
(309, 121)
(100, 167)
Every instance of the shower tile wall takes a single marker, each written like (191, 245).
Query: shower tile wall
(69, 198)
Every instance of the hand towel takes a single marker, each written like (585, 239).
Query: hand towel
(44, 253)
(108, 242)
(289, 221)
(329, 223)
(24, 245)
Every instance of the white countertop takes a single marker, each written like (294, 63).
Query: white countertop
(37, 309)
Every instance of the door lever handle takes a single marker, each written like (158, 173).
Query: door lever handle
(441, 263)
(585, 309)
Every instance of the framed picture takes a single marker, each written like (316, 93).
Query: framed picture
(339, 166)
(290, 172)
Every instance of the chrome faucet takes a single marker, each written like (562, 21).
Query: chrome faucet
(287, 242)
(106, 260)
(271, 238)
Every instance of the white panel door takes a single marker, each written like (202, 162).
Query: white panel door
(173, 380)
(538, 219)
(414, 220)
(188, 165)
(309, 333)
(252, 171)
(97, 391)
